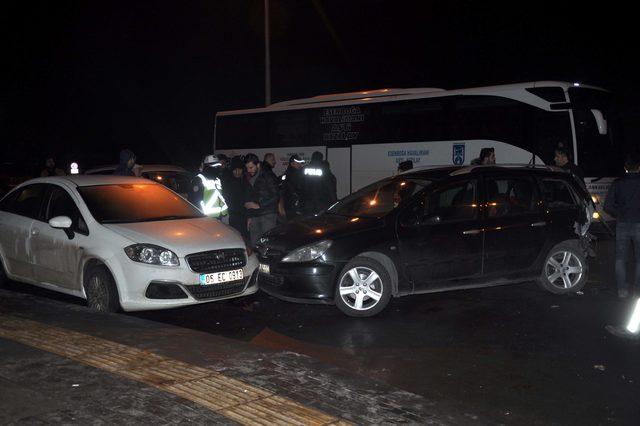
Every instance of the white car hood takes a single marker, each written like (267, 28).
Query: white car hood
(184, 236)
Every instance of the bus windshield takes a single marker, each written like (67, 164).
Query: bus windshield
(598, 154)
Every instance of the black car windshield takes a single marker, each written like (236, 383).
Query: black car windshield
(135, 203)
(378, 199)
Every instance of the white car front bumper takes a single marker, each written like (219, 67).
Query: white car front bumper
(133, 280)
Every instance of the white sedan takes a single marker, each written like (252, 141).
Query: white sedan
(120, 242)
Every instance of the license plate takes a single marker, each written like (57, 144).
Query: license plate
(264, 268)
(221, 277)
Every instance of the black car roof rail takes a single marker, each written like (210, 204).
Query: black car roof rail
(469, 169)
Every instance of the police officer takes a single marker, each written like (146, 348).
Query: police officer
(206, 189)
(291, 189)
(318, 185)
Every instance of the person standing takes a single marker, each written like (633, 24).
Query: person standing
(318, 185)
(563, 160)
(50, 169)
(262, 198)
(487, 157)
(234, 191)
(206, 189)
(126, 164)
(270, 159)
(623, 203)
(291, 189)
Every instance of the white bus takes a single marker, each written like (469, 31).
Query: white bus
(364, 135)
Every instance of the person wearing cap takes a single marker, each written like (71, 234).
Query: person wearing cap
(291, 189)
(206, 189)
(562, 159)
(318, 185)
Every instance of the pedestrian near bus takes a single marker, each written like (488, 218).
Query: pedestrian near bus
(50, 169)
(318, 185)
(234, 191)
(262, 198)
(126, 164)
(206, 189)
(487, 157)
(291, 189)
(623, 203)
(562, 159)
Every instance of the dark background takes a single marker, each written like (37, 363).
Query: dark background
(85, 79)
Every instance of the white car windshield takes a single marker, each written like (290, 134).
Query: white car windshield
(136, 203)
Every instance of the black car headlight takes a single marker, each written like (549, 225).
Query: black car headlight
(309, 252)
(152, 255)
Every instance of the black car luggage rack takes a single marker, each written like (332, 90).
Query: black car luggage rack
(217, 260)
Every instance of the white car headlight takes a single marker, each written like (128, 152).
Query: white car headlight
(152, 255)
(308, 253)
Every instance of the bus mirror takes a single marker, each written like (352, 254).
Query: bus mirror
(600, 121)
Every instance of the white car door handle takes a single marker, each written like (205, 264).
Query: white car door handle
(472, 232)
(536, 224)
(35, 232)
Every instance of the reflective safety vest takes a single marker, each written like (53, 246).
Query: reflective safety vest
(213, 203)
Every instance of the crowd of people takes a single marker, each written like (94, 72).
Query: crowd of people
(247, 194)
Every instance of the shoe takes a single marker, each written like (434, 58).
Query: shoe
(623, 293)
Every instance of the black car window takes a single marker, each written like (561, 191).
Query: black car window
(454, 202)
(509, 196)
(61, 204)
(26, 201)
(557, 194)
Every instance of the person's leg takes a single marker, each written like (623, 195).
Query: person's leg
(622, 245)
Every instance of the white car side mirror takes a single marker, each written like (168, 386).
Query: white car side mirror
(60, 222)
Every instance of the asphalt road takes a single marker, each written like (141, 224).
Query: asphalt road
(512, 354)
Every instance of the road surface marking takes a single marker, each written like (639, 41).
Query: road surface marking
(232, 398)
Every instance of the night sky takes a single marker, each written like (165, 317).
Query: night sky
(85, 79)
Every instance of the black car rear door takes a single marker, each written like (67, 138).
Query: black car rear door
(514, 225)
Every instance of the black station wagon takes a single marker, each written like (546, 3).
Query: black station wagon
(434, 230)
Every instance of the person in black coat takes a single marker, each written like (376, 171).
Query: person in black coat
(623, 203)
(318, 185)
(234, 191)
(262, 197)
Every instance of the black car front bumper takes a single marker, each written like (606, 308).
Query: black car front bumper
(300, 282)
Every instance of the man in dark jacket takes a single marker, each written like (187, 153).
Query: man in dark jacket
(234, 190)
(126, 164)
(318, 185)
(563, 160)
(291, 188)
(623, 203)
(262, 198)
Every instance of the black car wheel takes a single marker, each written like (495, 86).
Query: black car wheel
(565, 269)
(364, 288)
(101, 291)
